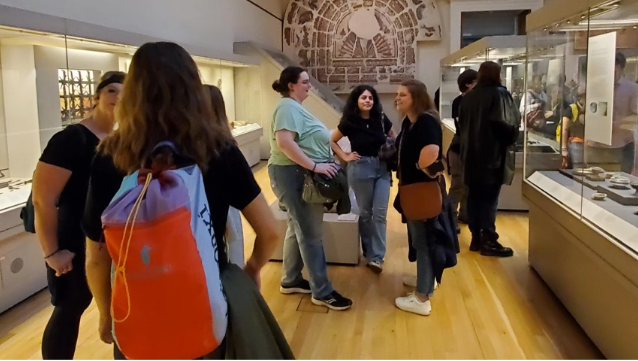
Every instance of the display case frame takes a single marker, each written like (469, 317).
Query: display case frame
(509, 51)
(583, 233)
(34, 48)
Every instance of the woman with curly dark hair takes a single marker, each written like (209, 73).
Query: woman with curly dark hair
(365, 125)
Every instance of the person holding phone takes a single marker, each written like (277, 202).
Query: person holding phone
(489, 123)
(420, 154)
(300, 143)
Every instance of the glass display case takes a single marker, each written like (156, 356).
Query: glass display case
(582, 99)
(47, 82)
(509, 52)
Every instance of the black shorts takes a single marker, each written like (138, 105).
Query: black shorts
(70, 289)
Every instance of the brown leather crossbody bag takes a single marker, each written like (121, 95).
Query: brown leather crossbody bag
(419, 201)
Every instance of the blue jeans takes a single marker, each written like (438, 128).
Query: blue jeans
(303, 244)
(370, 181)
(482, 205)
(424, 273)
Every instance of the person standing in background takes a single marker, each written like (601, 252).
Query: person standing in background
(60, 185)
(621, 152)
(365, 125)
(458, 195)
(489, 123)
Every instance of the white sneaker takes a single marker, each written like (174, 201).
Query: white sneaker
(411, 303)
(410, 281)
(376, 267)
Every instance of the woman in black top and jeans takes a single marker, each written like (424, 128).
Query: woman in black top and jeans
(420, 147)
(365, 125)
(60, 183)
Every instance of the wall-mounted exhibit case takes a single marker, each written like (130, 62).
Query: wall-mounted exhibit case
(582, 69)
(509, 52)
(48, 74)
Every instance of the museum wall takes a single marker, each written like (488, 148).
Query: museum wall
(4, 157)
(212, 24)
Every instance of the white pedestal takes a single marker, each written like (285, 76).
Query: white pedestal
(340, 238)
(22, 270)
(248, 139)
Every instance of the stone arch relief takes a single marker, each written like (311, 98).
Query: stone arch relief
(344, 43)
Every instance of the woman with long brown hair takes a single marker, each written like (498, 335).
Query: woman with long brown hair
(420, 147)
(60, 184)
(164, 100)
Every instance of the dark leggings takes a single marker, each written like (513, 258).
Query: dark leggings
(70, 297)
(61, 334)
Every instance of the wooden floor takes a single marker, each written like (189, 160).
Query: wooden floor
(485, 308)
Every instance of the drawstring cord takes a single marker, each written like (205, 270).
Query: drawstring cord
(124, 250)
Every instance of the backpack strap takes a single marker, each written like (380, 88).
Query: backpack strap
(575, 112)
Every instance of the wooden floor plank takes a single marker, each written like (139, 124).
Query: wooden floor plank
(485, 308)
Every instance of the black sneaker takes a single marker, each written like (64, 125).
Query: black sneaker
(301, 287)
(334, 301)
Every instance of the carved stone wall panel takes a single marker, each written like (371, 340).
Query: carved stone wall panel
(344, 43)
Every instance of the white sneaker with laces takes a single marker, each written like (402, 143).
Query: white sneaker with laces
(376, 267)
(410, 281)
(411, 303)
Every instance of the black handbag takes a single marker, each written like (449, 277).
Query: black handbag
(388, 151)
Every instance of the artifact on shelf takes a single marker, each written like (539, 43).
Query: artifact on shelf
(618, 179)
(595, 177)
(599, 196)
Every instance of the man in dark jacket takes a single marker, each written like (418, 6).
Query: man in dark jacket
(489, 123)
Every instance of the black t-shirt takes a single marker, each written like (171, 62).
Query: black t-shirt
(228, 181)
(72, 149)
(455, 145)
(425, 131)
(366, 135)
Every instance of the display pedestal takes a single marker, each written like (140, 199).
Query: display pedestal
(510, 198)
(22, 270)
(593, 275)
(248, 139)
(340, 237)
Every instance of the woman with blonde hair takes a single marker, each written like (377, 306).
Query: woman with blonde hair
(420, 151)
(163, 100)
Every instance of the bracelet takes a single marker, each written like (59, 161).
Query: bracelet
(52, 254)
(315, 167)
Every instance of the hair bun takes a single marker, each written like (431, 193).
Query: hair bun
(276, 86)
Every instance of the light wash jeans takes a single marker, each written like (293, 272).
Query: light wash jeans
(303, 244)
(370, 180)
(424, 273)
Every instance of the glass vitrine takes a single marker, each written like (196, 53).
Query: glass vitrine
(582, 100)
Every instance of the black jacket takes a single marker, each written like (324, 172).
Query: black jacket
(335, 188)
(489, 122)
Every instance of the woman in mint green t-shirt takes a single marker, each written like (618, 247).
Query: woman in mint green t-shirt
(300, 143)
